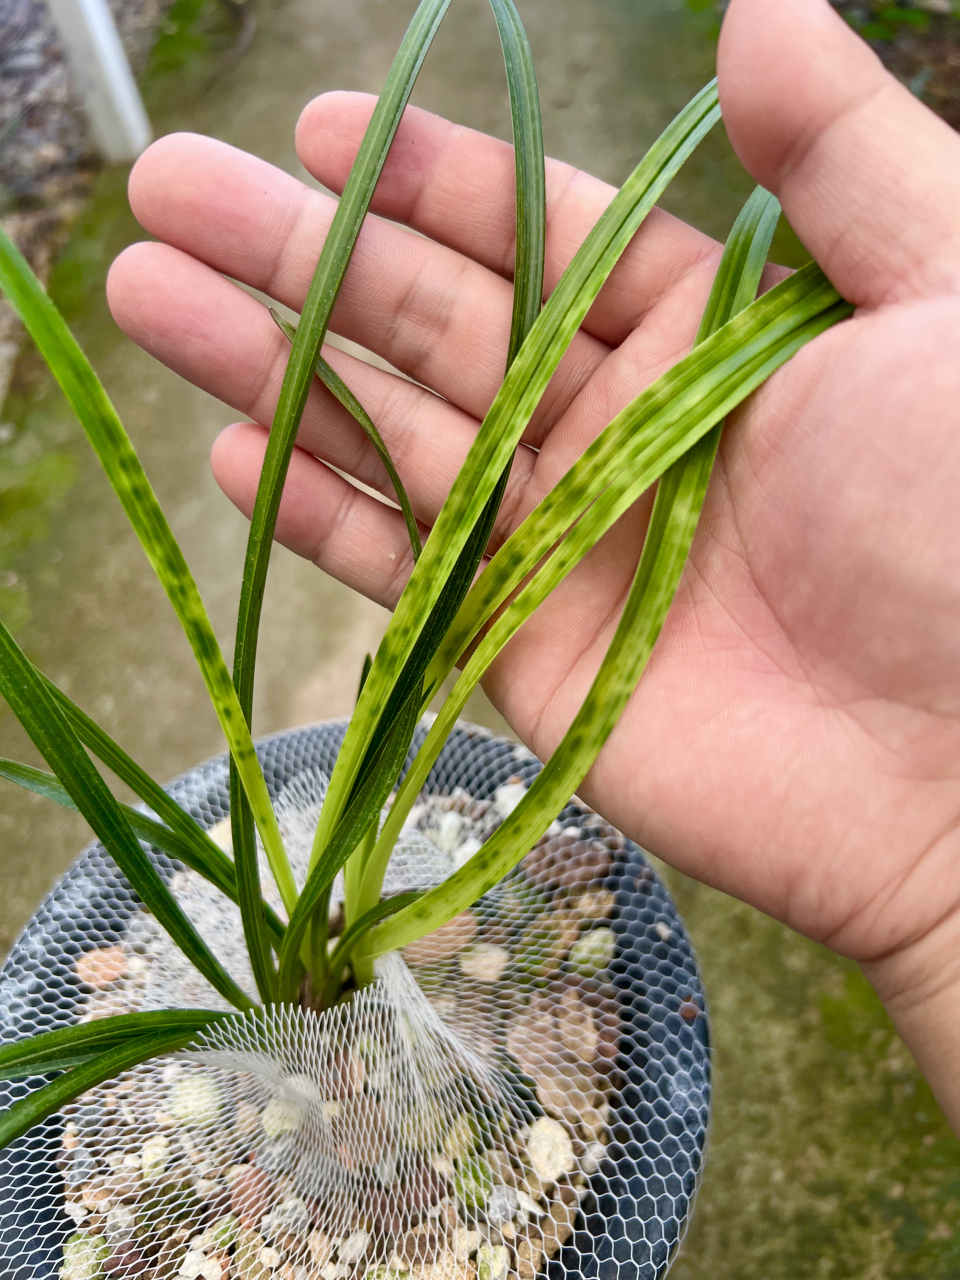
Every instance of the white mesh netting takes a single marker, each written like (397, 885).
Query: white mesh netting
(492, 1108)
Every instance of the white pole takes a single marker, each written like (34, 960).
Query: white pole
(103, 78)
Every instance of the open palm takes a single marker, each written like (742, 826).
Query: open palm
(796, 738)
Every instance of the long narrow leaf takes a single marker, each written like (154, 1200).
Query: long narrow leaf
(40, 715)
(531, 200)
(119, 460)
(314, 319)
(40, 1103)
(338, 388)
(362, 891)
(249, 894)
(215, 867)
(530, 242)
(74, 1045)
(653, 432)
(505, 423)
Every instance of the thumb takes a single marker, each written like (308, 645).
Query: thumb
(868, 177)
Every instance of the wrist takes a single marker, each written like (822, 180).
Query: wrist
(920, 989)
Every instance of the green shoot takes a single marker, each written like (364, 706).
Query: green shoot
(314, 319)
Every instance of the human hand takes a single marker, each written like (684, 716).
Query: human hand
(796, 737)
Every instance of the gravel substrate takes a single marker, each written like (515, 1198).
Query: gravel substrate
(442, 1125)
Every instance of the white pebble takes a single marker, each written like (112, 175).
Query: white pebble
(501, 1205)
(465, 1242)
(530, 1206)
(550, 1149)
(291, 1217)
(507, 797)
(280, 1117)
(121, 1224)
(192, 1264)
(154, 1155)
(493, 1261)
(485, 962)
(354, 1247)
(196, 1101)
(464, 852)
(449, 831)
(590, 1160)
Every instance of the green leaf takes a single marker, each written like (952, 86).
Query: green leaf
(215, 867)
(71, 1046)
(205, 851)
(249, 896)
(112, 446)
(338, 388)
(314, 319)
(744, 257)
(364, 880)
(655, 430)
(39, 713)
(672, 525)
(504, 425)
(40, 1103)
(530, 174)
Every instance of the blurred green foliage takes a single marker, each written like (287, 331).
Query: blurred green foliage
(880, 20)
(884, 21)
(195, 35)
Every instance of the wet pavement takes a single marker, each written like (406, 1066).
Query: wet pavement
(829, 1158)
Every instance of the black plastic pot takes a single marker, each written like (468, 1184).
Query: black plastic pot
(641, 1197)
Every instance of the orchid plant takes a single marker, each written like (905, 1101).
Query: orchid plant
(448, 616)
